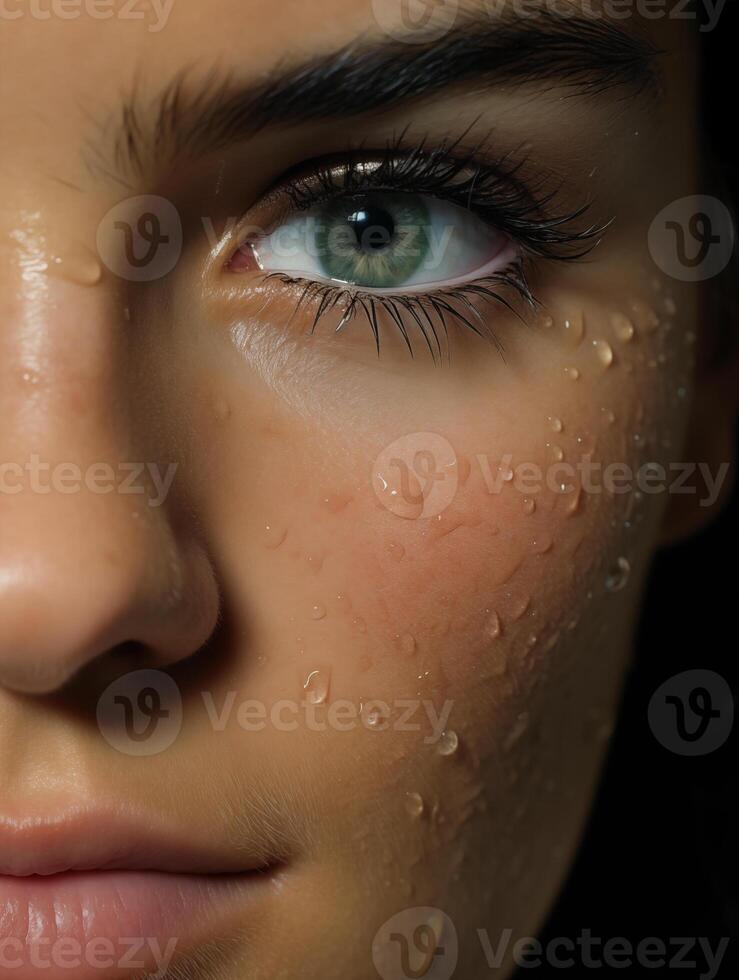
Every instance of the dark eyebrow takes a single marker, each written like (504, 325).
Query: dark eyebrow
(589, 55)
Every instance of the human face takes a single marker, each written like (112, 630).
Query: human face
(390, 654)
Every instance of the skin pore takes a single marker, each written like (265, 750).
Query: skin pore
(290, 562)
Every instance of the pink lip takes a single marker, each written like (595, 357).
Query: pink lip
(97, 895)
(85, 840)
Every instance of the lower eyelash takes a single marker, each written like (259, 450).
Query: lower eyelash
(429, 311)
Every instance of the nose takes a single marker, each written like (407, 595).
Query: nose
(91, 555)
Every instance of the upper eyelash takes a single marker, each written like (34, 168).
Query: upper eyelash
(493, 191)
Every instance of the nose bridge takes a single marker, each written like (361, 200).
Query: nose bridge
(88, 557)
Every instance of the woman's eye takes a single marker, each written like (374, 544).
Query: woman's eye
(381, 240)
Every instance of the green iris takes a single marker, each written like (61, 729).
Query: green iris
(378, 240)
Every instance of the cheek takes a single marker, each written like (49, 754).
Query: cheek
(469, 538)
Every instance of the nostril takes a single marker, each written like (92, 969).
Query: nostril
(57, 624)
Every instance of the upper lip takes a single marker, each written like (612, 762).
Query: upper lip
(87, 839)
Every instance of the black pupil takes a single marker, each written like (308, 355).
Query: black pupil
(373, 227)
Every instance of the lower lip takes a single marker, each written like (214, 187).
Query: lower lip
(104, 924)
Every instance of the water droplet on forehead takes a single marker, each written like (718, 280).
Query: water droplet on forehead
(572, 373)
(317, 610)
(555, 423)
(529, 505)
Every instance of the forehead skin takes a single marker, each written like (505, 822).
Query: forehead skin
(47, 103)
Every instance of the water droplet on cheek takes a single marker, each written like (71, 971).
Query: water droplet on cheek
(519, 727)
(603, 353)
(316, 686)
(572, 373)
(396, 551)
(407, 643)
(317, 610)
(555, 424)
(555, 452)
(541, 544)
(618, 575)
(518, 606)
(414, 805)
(529, 505)
(574, 329)
(623, 328)
(492, 626)
(273, 536)
(335, 502)
(374, 717)
(448, 743)
(574, 500)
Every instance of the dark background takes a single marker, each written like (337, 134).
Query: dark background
(661, 856)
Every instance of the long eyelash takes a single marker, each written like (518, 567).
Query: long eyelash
(495, 192)
(423, 308)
